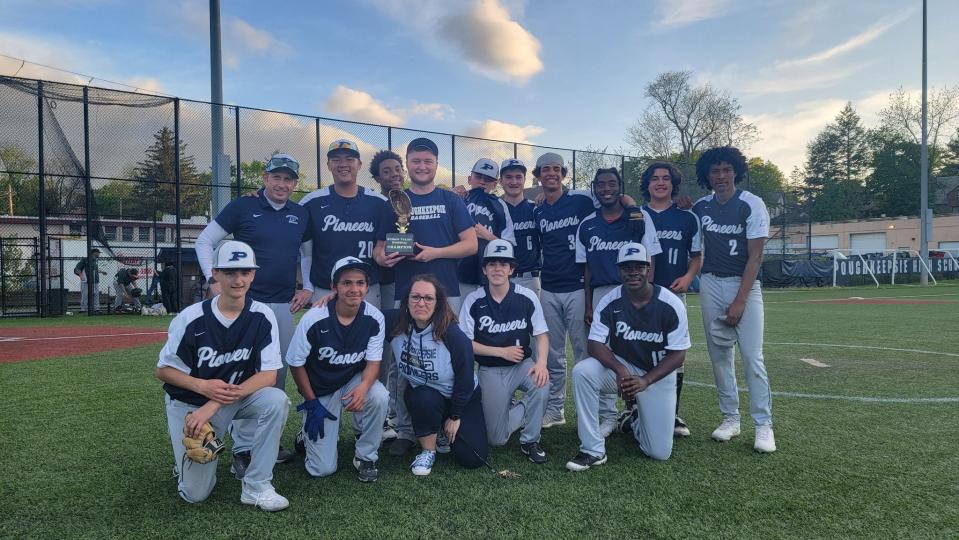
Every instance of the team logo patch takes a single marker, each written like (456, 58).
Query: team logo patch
(238, 255)
(499, 249)
(487, 167)
(293, 220)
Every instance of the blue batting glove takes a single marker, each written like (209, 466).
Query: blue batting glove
(316, 416)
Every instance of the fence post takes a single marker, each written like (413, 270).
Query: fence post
(176, 194)
(389, 137)
(239, 187)
(318, 154)
(453, 154)
(88, 195)
(574, 169)
(41, 270)
(514, 151)
(3, 282)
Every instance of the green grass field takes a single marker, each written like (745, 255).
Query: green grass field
(85, 450)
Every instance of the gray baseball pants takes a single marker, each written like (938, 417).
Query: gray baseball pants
(564, 314)
(321, 455)
(716, 294)
(653, 429)
(503, 416)
(267, 409)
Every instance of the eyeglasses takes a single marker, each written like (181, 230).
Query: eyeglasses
(417, 299)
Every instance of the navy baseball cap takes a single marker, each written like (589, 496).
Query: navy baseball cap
(344, 146)
(512, 164)
(422, 143)
(283, 161)
(349, 263)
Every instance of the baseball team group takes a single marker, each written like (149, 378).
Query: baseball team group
(461, 342)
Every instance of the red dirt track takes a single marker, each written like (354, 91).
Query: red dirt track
(886, 301)
(40, 342)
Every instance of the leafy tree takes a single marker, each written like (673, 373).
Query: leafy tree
(837, 163)
(951, 158)
(893, 185)
(684, 120)
(765, 179)
(19, 190)
(903, 117)
(154, 190)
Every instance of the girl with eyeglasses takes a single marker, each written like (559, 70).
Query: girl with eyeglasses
(438, 387)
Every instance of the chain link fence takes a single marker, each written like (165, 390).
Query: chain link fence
(132, 175)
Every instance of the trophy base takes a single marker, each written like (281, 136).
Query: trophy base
(401, 243)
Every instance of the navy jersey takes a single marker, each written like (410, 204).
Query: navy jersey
(275, 236)
(556, 224)
(641, 336)
(527, 252)
(445, 366)
(678, 233)
(438, 219)
(344, 226)
(333, 353)
(502, 324)
(202, 343)
(598, 242)
(490, 212)
(726, 229)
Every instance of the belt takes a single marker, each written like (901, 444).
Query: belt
(724, 274)
(533, 273)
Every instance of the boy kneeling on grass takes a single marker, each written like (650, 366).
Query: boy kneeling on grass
(219, 364)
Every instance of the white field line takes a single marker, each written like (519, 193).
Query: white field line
(18, 339)
(813, 362)
(853, 298)
(872, 347)
(864, 399)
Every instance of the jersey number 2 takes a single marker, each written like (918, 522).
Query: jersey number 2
(732, 248)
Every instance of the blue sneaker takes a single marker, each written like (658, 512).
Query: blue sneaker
(423, 463)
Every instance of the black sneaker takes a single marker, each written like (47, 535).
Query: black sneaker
(366, 470)
(584, 461)
(299, 443)
(400, 447)
(284, 455)
(241, 461)
(534, 452)
(624, 424)
(680, 429)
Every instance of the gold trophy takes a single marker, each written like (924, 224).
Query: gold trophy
(401, 242)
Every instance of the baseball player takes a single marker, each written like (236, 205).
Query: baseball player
(335, 359)
(443, 231)
(562, 297)
(345, 220)
(219, 364)
(598, 239)
(678, 232)
(275, 227)
(87, 269)
(440, 224)
(734, 225)
(528, 254)
(492, 219)
(124, 286)
(502, 319)
(638, 338)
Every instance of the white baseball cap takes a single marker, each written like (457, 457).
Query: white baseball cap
(349, 263)
(632, 252)
(486, 167)
(234, 254)
(499, 249)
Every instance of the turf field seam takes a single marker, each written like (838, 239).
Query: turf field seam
(864, 399)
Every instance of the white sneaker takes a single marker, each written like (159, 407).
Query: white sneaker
(551, 420)
(268, 499)
(607, 427)
(423, 463)
(765, 440)
(727, 430)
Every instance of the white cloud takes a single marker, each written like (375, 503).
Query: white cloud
(485, 33)
(675, 13)
(494, 44)
(858, 41)
(504, 131)
(146, 84)
(240, 38)
(789, 132)
(361, 106)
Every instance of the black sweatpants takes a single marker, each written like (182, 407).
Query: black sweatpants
(428, 409)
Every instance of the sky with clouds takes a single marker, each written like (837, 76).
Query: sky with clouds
(551, 72)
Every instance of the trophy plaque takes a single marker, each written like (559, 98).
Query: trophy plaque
(400, 242)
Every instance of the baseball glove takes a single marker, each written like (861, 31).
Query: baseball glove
(205, 447)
